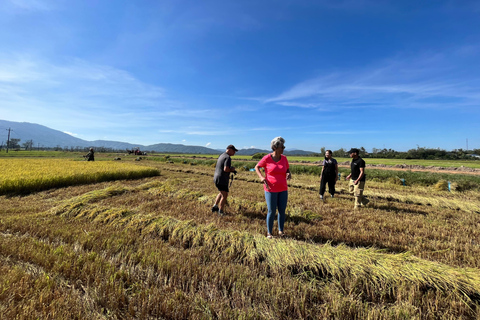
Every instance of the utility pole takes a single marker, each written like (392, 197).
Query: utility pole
(8, 140)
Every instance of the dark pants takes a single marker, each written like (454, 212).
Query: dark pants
(330, 179)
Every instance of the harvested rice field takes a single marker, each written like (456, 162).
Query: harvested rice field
(148, 247)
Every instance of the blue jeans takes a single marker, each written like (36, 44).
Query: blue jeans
(276, 200)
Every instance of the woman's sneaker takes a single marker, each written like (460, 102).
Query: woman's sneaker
(215, 208)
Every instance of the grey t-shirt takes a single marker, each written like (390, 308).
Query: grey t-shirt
(220, 176)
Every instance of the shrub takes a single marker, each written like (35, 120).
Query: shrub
(258, 156)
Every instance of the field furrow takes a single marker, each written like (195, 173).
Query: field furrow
(151, 248)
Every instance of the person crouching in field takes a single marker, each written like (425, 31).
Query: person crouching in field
(357, 178)
(221, 177)
(277, 172)
(329, 174)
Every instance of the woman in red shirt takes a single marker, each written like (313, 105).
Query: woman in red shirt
(277, 172)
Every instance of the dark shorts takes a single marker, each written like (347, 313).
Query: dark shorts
(222, 187)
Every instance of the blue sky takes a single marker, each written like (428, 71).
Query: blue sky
(393, 74)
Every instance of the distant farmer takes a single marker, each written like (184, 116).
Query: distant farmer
(277, 172)
(329, 174)
(357, 178)
(221, 177)
(90, 155)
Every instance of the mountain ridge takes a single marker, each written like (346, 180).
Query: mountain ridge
(45, 137)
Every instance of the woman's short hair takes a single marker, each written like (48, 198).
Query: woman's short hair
(329, 151)
(276, 142)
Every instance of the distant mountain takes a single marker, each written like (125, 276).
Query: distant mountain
(180, 148)
(250, 151)
(117, 145)
(298, 153)
(40, 135)
(49, 138)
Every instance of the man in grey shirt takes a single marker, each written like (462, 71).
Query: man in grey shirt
(221, 177)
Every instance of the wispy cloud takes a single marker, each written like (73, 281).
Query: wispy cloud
(203, 133)
(340, 132)
(192, 131)
(27, 5)
(403, 83)
(75, 81)
(263, 129)
(75, 93)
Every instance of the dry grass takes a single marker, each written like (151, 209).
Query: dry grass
(150, 248)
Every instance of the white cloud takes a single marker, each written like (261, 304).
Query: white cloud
(356, 132)
(415, 83)
(191, 131)
(204, 133)
(263, 129)
(78, 95)
(29, 5)
(70, 133)
(76, 85)
(208, 144)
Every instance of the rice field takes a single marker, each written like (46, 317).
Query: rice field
(473, 163)
(28, 175)
(150, 248)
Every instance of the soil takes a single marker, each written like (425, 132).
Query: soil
(398, 167)
(404, 167)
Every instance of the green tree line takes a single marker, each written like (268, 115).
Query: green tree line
(418, 153)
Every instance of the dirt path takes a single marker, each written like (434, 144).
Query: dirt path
(452, 170)
(398, 167)
(407, 167)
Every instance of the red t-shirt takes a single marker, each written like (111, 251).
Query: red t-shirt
(275, 173)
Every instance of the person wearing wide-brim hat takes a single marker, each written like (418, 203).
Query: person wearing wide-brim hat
(357, 178)
(221, 177)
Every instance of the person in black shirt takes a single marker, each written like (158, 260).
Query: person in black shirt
(357, 178)
(90, 156)
(221, 177)
(329, 174)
